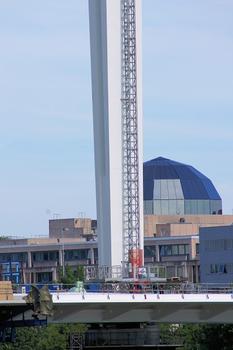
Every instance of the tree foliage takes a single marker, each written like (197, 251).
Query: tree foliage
(52, 337)
(71, 276)
(198, 336)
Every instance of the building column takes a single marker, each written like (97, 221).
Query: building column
(197, 274)
(34, 277)
(186, 270)
(54, 274)
(157, 256)
(60, 257)
(29, 259)
(91, 256)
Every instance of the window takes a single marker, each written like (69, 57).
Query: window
(45, 256)
(174, 249)
(221, 268)
(181, 249)
(81, 254)
(6, 257)
(149, 251)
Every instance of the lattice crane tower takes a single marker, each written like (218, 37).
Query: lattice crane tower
(115, 36)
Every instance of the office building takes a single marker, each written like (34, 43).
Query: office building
(216, 254)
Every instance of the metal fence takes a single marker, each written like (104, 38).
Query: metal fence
(143, 287)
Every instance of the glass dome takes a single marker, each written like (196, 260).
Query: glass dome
(172, 188)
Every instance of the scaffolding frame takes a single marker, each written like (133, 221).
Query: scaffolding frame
(130, 156)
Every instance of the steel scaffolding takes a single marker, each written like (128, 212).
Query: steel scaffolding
(131, 213)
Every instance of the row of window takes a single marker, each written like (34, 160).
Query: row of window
(214, 245)
(9, 267)
(167, 250)
(45, 256)
(174, 249)
(221, 268)
(79, 254)
(4, 257)
(182, 206)
(84, 254)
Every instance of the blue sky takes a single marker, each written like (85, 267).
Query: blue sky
(46, 136)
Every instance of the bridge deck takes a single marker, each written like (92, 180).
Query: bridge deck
(126, 307)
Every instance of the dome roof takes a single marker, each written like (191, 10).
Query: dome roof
(165, 179)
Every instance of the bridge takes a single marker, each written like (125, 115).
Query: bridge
(200, 304)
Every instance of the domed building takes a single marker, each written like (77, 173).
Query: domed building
(173, 188)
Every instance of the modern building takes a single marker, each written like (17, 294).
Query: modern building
(216, 254)
(173, 188)
(41, 259)
(72, 228)
(181, 225)
(178, 255)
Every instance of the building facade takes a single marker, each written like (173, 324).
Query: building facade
(216, 254)
(41, 260)
(177, 225)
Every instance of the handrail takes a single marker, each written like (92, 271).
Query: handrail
(133, 287)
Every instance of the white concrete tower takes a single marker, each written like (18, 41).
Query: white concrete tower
(115, 36)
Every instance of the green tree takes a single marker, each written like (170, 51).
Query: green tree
(71, 276)
(198, 336)
(52, 337)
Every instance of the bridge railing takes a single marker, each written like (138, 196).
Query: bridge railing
(133, 287)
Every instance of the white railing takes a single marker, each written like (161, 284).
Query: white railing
(139, 287)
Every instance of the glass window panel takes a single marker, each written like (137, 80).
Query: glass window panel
(148, 207)
(161, 249)
(206, 207)
(149, 251)
(180, 207)
(172, 207)
(181, 249)
(157, 189)
(193, 207)
(157, 207)
(164, 189)
(200, 207)
(187, 207)
(164, 207)
(175, 249)
(186, 249)
(171, 189)
(178, 189)
(215, 206)
(168, 250)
